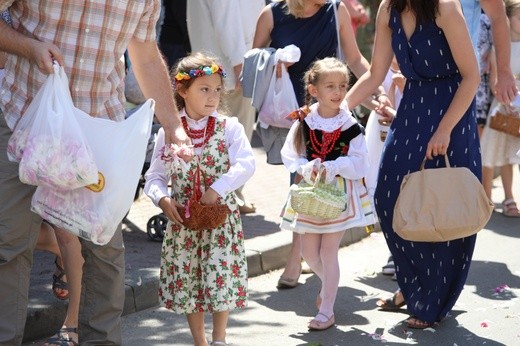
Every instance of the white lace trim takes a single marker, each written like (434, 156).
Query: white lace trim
(316, 122)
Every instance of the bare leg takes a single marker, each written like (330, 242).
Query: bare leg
(487, 179)
(506, 172)
(73, 262)
(198, 332)
(47, 242)
(220, 320)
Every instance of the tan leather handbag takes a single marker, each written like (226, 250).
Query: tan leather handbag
(441, 204)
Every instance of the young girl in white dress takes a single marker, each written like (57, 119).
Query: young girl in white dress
(498, 148)
(326, 137)
(202, 271)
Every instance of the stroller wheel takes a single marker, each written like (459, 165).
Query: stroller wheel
(156, 226)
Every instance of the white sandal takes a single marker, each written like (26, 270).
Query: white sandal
(218, 343)
(509, 208)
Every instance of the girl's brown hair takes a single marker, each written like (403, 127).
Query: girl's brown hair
(191, 62)
(312, 77)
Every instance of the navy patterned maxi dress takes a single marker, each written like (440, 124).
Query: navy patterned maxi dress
(430, 275)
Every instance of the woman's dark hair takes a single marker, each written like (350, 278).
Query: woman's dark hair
(424, 10)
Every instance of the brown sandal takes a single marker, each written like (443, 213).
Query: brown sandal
(58, 283)
(390, 304)
(415, 323)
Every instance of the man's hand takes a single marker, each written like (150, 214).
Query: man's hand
(43, 54)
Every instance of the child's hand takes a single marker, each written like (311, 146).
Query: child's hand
(209, 197)
(386, 116)
(169, 208)
(323, 174)
(399, 80)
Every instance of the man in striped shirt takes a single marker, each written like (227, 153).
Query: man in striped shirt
(88, 38)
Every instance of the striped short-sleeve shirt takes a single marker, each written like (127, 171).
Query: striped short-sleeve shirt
(92, 36)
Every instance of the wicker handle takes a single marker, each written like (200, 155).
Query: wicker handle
(318, 176)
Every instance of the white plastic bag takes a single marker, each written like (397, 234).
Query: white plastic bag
(95, 211)
(48, 141)
(280, 99)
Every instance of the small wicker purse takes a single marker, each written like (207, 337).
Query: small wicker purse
(199, 217)
(319, 199)
(507, 123)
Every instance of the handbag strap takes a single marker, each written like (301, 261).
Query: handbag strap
(339, 51)
(445, 160)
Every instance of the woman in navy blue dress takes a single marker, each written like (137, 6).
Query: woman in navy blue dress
(436, 117)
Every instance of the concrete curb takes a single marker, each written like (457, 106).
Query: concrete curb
(264, 253)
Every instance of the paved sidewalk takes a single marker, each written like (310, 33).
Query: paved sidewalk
(266, 247)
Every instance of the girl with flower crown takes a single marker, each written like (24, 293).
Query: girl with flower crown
(327, 139)
(202, 270)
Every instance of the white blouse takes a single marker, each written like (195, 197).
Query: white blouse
(242, 161)
(353, 166)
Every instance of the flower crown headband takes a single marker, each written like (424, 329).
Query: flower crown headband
(199, 72)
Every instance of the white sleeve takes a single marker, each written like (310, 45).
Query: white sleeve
(156, 185)
(290, 157)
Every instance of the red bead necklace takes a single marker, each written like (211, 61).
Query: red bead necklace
(327, 144)
(205, 133)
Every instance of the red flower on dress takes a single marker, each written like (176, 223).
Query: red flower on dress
(210, 161)
(179, 284)
(235, 270)
(186, 269)
(241, 303)
(240, 234)
(172, 270)
(234, 249)
(169, 304)
(221, 241)
(221, 147)
(241, 291)
(220, 281)
(223, 264)
(189, 244)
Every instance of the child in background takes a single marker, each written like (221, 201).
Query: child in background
(376, 131)
(498, 148)
(484, 97)
(326, 137)
(202, 271)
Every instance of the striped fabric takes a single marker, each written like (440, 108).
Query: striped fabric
(93, 36)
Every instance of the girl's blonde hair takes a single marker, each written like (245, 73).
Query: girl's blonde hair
(511, 7)
(294, 7)
(195, 61)
(312, 77)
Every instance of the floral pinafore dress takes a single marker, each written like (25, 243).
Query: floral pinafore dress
(207, 270)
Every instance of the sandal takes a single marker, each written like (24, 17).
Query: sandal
(509, 208)
(315, 324)
(390, 304)
(62, 338)
(58, 283)
(415, 323)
